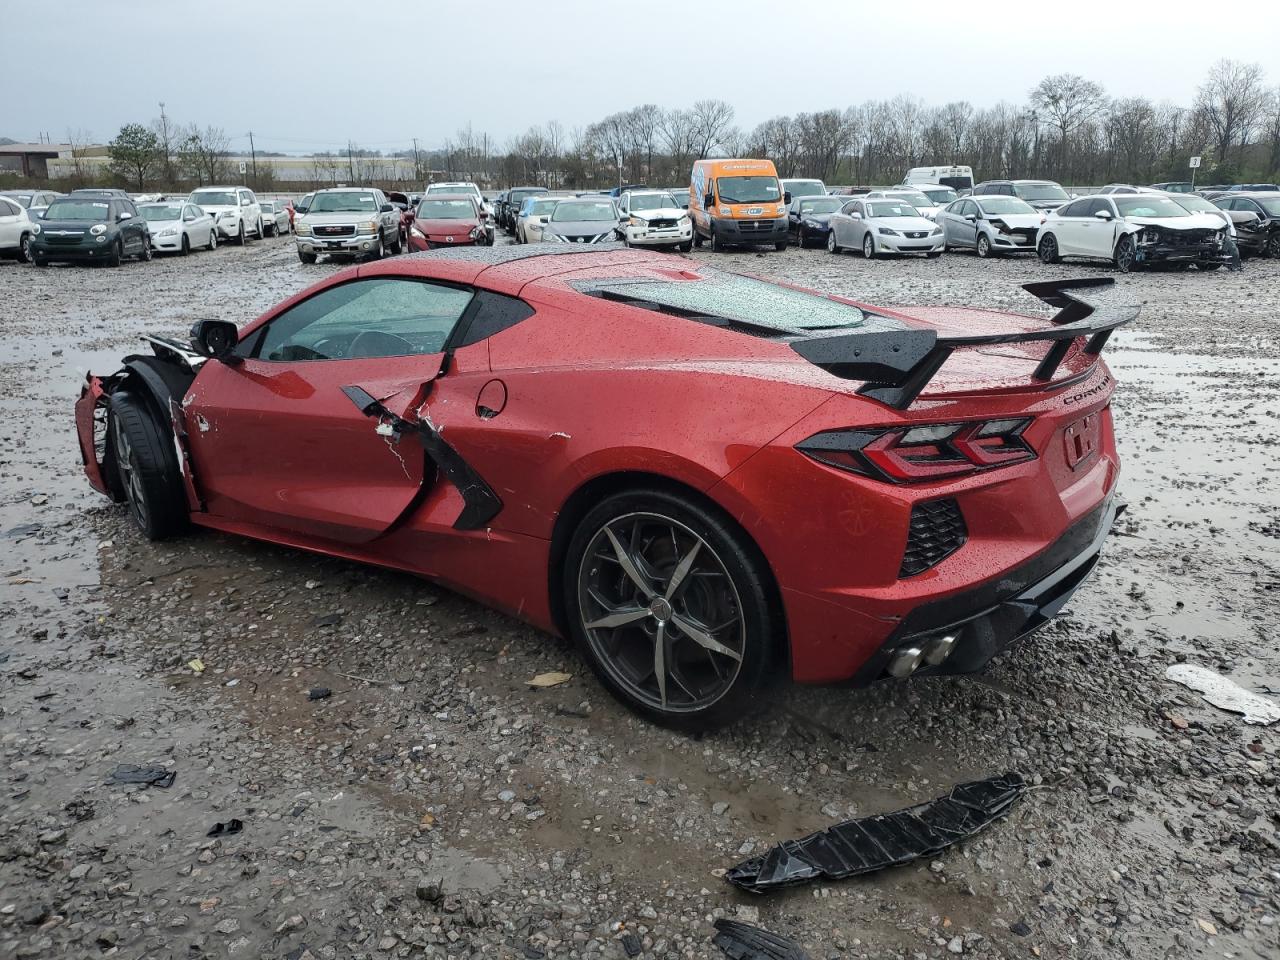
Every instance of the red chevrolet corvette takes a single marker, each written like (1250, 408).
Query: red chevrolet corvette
(709, 481)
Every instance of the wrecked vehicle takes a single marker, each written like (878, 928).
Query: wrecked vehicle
(709, 481)
(1133, 230)
(1257, 220)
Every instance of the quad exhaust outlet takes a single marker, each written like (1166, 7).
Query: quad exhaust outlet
(932, 651)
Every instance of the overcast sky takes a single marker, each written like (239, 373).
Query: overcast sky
(380, 72)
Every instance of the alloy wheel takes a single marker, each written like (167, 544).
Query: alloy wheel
(661, 612)
(869, 247)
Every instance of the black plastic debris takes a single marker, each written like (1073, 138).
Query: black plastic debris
(742, 941)
(319, 693)
(225, 829)
(873, 843)
(150, 776)
(631, 944)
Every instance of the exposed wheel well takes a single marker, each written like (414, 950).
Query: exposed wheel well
(595, 490)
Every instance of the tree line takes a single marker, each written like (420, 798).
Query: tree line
(1067, 129)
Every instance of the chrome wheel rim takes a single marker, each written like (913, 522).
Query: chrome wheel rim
(1124, 257)
(831, 241)
(661, 613)
(983, 246)
(868, 247)
(129, 477)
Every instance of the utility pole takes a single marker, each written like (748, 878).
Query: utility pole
(417, 167)
(351, 163)
(253, 157)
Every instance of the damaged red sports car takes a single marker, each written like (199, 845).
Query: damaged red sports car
(709, 481)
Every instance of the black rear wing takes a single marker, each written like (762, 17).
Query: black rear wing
(898, 364)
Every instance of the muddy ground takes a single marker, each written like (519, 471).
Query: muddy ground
(435, 805)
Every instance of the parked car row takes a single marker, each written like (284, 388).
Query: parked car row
(107, 225)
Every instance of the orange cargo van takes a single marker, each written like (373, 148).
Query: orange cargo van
(737, 202)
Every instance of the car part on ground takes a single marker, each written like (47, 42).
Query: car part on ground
(742, 941)
(1225, 693)
(873, 843)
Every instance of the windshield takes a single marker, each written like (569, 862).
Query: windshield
(267, 206)
(453, 188)
(748, 189)
(21, 199)
(343, 203)
(77, 210)
(998, 205)
(574, 210)
(161, 211)
(1040, 191)
(540, 208)
(917, 200)
(1271, 206)
(742, 299)
(213, 198)
(940, 196)
(516, 197)
(1146, 205)
(1197, 204)
(652, 201)
(446, 210)
(824, 205)
(804, 188)
(891, 208)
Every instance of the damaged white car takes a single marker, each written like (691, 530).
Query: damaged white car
(1133, 230)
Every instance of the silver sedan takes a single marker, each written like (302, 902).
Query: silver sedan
(275, 217)
(178, 227)
(991, 225)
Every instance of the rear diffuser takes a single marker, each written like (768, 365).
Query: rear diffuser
(741, 941)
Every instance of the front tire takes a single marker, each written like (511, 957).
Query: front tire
(869, 247)
(1047, 249)
(307, 258)
(117, 254)
(832, 246)
(686, 246)
(1123, 257)
(984, 246)
(240, 235)
(213, 239)
(1273, 246)
(147, 466)
(671, 607)
(186, 246)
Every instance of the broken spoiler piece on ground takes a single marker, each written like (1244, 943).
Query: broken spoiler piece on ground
(873, 843)
(742, 941)
(149, 776)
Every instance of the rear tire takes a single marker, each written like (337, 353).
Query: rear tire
(145, 254)
(725, 596)
(1047, 249)
(147, 466)
(1210, 266)
(24, 248)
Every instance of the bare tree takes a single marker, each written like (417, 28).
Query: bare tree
(167, 137)
(1233, 100)
(79, 140)
(1067, 101)
(203, 154)
(711, 119)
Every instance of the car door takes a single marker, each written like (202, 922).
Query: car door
(947, 220)
(12, 219)
(286, 438)
(962, 229)
(1065, 225)
(1098, 236)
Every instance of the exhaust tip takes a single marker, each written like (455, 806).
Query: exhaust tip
(905, 661)
(939, 648)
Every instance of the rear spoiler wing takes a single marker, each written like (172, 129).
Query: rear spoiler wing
(898, 364)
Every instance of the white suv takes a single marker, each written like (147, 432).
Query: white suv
(654, 218)
(461, 186)
(235, 211)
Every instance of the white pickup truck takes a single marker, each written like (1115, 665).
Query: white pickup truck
(348, 222)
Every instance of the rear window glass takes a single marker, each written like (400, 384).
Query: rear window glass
(740, 299)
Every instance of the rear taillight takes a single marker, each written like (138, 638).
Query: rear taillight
(925, 452)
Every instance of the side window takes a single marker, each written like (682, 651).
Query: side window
(8, 209)
(1250, 206)
(1099, 205)
(1072, 209)
(970, 209)
(378, 317)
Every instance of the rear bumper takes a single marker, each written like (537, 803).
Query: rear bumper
(992, 617)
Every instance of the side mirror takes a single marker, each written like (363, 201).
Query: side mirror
(387, 208)
(1103, 214)
(856, 215)
(216, 339)
(708, 201)
(971, 217)
(125, 215)
(786, 197)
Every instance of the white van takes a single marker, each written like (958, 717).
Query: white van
(957, 178)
